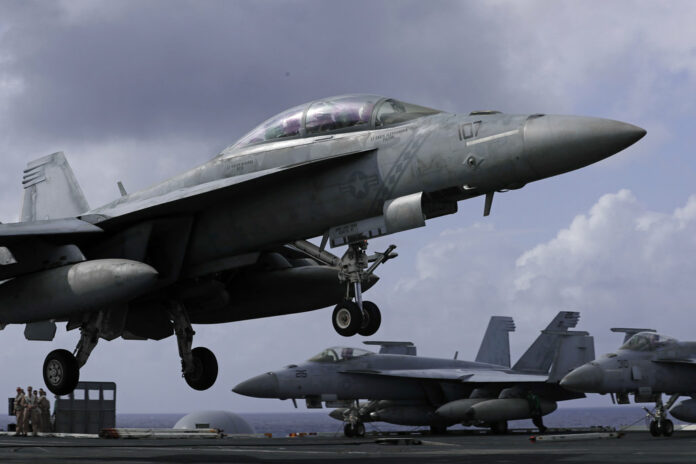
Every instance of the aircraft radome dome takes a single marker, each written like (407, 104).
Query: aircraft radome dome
(226, 421)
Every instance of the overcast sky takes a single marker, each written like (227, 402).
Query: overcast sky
(139, 91)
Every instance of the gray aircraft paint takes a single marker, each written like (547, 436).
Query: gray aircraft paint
(421, 385)
(220, 236)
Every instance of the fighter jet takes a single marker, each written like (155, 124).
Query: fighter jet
(647, 365)
(228, 240)
(405, 389)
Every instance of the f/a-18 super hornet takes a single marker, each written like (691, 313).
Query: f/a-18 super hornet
(405, 389)
(647, 365)
(227, 240)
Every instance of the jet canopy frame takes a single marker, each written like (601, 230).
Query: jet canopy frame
(343, 113)
(647, 341)
(339, 353)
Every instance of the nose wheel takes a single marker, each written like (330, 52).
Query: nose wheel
(659, 423)
(353, 315)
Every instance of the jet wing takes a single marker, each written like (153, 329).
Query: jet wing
(458, 375)
(197, 197)
(61, 230)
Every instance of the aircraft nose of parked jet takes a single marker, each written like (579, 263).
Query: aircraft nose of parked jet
(554, 144)
(261, 386)
(585, 379)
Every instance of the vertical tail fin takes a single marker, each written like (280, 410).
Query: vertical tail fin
(495, 346)
(51, 190)
(540, 355)
(574, 349)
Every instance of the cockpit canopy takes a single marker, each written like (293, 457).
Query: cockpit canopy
(344, 113)
(338, 354)
(646, 341)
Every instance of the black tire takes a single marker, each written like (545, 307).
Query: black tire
(349, 430)
(373, 319)
(655, 429)
(347, 318)
(359, 429)
(206, 369)
(61, 372)
(438, 429)
(499, 428)
(667, 427)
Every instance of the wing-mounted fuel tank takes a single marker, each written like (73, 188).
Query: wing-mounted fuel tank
(398, 214)
(75, 288)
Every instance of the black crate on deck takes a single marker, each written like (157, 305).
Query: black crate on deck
(88, 409)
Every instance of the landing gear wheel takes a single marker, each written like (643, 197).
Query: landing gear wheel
(347, 318)
(667, 427)
(499, 428)
(655, 428)
(61, 372)
(349, 430)
(205, 371)
(438, 430)
(373, 319)
(359, 429)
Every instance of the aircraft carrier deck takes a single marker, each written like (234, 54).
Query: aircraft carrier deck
(633, 447)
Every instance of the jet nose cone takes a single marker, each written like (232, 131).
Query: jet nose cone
(584, 379)
(261, 386)
(555, 144)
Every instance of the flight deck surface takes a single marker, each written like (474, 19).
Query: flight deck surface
(634, 447)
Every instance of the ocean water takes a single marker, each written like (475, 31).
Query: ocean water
(281, 424)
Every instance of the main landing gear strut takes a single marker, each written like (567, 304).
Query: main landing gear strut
(659, 423)
(198, 365)
(61, 369)
(358, 317)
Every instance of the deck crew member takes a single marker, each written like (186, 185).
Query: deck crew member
(45, 408)
(19, 407)
(31, 403)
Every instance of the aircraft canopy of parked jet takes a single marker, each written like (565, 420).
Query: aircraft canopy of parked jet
(339, 353)
(344, 113)
(646, 341)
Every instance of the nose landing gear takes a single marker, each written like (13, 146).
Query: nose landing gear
(660, 424)
(358, 317)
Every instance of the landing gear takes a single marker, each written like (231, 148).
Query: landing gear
(61, 372)
(354, 429)
(347, 318)
(198, 366)
(364, 318)
(61, 369)
(499, 428)
(438, 429)
(660, 425)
